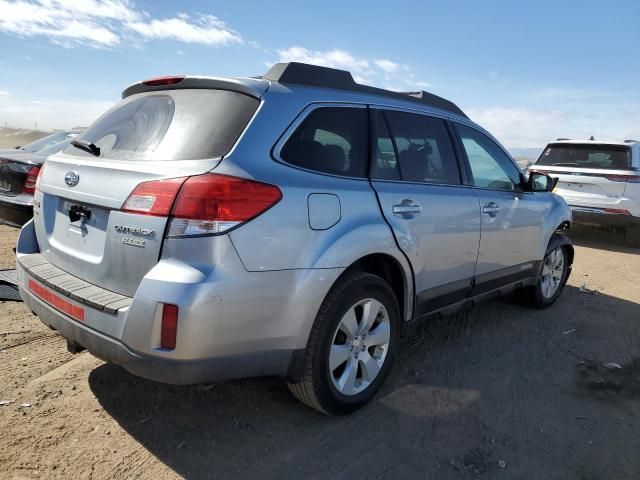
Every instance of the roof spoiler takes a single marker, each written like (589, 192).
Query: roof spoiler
(324, 77)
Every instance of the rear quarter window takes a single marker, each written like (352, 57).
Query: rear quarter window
(330, 140)
(172, 125)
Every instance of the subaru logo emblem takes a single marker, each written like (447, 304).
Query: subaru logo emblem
(72, 178)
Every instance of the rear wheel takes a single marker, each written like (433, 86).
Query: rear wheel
(552, 279)
(351, 346)
(632, 236)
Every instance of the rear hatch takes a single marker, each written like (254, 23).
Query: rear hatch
(18, 172)
(79, 219)
(589, 174)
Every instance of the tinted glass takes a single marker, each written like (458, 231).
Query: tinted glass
(330, 140)
(58, 147)
(49, 141)
(422, 150)
(587, 156)
(490, 166)
(172, 125)
(386, 165)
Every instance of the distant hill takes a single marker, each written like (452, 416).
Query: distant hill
(16, 137)
(525, 156)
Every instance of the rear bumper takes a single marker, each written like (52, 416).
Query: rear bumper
(14, 212)
(165, 370)
(232, 323)
(599, 217)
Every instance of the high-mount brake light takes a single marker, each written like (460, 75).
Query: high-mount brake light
(159, 81)
(206, 204)
(31, 182)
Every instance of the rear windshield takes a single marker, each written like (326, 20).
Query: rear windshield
(170, 125)
(612, 157)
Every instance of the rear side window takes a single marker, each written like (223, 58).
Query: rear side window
(330, 140)
(612, 157)
(172, 125)
(414, 148)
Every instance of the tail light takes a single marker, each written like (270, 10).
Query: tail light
(154, 198)
(206, 204)
(169, 327)
(32, 181)
(39, 177)
(618, 211)
(623, 178)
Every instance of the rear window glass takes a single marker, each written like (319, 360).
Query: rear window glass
(330, 140)
(613, 157)
(172, 125)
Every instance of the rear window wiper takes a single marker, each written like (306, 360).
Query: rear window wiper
(87, 147)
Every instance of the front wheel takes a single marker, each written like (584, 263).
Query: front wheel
(351, 345)
(551, 280)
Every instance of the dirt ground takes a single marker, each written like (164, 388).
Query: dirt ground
(502, 392)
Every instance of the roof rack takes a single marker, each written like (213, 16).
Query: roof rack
(316, 76)
(562, 139)
(632, 141)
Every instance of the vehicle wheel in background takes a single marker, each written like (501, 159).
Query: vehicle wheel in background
(632, 236)
(351, 346)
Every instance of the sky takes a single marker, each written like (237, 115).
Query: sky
(527, 71)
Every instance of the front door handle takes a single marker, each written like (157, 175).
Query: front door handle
(492, 209)
(407, 209)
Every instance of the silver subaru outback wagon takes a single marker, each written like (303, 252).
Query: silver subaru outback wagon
(293, 224)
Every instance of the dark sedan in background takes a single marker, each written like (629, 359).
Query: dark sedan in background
(19, 170)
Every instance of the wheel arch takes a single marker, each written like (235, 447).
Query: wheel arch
(389, 269)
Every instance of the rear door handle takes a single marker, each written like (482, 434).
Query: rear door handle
(492, 209)
(407, 209)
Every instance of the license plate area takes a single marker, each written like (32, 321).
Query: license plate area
(5, 186)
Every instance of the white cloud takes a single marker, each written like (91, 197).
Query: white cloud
(106, 23)
(50, 113)
(372, 71)
(387, 65)
(4, 92)
(526, 127)
(206, 30)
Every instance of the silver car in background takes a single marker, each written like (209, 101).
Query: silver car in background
(292, 224)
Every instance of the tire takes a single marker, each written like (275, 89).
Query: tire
(632, 236)
(551, 280)
(332, 391)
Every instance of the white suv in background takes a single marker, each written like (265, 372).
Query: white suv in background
(600, 180)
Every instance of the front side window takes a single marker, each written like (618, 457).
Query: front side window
(330, 140)
(414, 148)
(490, 166)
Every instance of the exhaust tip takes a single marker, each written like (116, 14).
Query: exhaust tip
(73, 347)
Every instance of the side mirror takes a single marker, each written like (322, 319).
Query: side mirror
(541, 182)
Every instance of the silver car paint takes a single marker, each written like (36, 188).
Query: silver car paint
(259, 287)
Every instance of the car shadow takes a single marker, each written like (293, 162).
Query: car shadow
(499, 388)
(600, 238)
